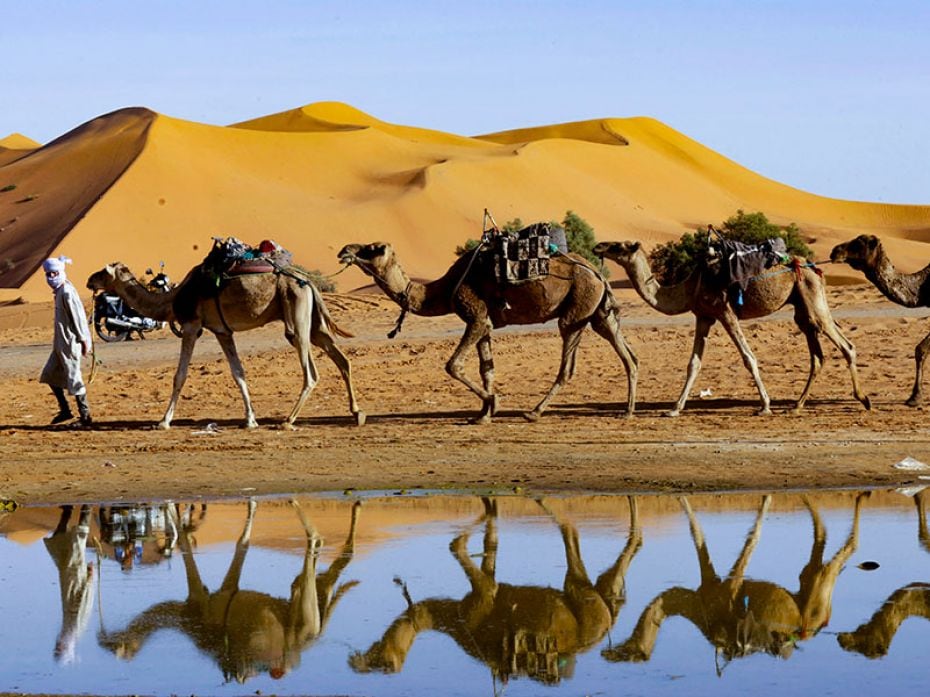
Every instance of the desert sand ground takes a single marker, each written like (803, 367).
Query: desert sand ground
(418, 433)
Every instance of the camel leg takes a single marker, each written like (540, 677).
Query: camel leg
(731, 324)
(231, 580)
(702, 327)
(326, 582)
(304, 619)
(228, 344)
(706, 565)
(571, 337)
(324, 340)
(610, 585)
(752, 539)
(923, 533)
(817, 580)
(920, 356)
(474, 332)
(481, 579)
(816, 354)
(188, 340)
(833, 333)
(486, 367)
(609, 328)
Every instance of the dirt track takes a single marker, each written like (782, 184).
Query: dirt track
(418, 433)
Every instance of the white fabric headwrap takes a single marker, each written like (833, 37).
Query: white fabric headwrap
(55, 264)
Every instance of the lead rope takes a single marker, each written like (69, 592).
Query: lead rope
(93, 344)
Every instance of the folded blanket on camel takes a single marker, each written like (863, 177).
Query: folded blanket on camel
(741, 262)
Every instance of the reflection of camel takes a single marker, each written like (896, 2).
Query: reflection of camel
(709, 303)
(245, 631)
(143, 533)
(741, 616)
(873, 638)
(865, 254)
(244, 302)
(515, 630)
(573, 292)
(66, 546)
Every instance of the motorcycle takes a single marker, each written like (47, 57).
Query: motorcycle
(114, 320)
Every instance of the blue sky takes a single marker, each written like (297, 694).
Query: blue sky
(830, 97)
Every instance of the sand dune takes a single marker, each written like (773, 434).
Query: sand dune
(142, 187)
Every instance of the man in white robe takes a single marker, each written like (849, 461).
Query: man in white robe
(72, 341)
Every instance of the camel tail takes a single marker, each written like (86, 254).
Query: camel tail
(321, 314)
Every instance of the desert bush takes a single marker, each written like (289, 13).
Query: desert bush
(673, 262)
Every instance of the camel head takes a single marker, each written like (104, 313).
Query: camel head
(372, 258)
(620, 252)
(106, 279)
(860, 253)
(380, 658)
(866, 641)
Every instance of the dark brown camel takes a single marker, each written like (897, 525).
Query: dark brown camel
(574, 293)
(514, 630)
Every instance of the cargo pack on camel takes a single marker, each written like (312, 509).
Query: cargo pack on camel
(524, 255)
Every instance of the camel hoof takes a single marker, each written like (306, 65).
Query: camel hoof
(495, 404)
(163, 425)
(672, 414)
(628, 414)
(360, 418)
(531, 416)
(286, 426)
(481, 419)
(914, 401)
(867, 403)
(765, 411)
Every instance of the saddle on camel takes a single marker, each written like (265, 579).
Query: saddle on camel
(237, 288)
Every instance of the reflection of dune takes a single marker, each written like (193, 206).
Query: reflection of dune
(140, 187)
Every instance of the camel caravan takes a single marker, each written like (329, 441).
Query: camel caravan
(515, 277)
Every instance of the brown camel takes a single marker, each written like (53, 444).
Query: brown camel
(873, 638)
(742, 616)
(573, 292)
(865, 254)
(244, 302)
(515, 630)
(801, 287)
(243, 630)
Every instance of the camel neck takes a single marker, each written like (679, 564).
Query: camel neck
(669, 300)
(158, 306)
(430, 299)
(904, 289)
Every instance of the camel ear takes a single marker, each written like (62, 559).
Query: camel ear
(634, 247)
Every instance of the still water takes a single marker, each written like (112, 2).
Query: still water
(824, 593)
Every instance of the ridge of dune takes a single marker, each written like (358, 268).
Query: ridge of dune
(55, 185)
(603, 131)
(17, 141)
(338, 116)
(141, 187)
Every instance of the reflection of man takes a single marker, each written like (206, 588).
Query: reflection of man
(75, 577)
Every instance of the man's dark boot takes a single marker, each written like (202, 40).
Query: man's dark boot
(64, 411)
(83, 410)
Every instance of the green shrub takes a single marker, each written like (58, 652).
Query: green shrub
(673, 262)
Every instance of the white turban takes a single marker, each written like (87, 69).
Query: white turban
(56, 265)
